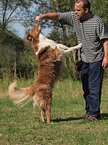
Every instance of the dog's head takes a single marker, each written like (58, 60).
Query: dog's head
(33, 36)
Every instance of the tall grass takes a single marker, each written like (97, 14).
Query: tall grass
(23, 126)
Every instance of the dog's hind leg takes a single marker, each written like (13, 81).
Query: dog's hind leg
(48, 113)
(42, 115)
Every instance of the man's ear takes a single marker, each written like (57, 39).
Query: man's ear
(86, 10)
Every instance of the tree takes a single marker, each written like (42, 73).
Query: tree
(13, 11)
(47, 6)
(100, 8)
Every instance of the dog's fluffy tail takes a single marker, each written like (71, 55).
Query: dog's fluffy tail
(20, 96)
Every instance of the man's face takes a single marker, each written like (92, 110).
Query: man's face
(79, 10)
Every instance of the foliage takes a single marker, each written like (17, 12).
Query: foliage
(13, 11)
(56, 6)
(100, 8)
(6, 61)
(27, 63)
(21, 64)
(49, 6)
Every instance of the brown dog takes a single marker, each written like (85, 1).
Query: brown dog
(50, 55)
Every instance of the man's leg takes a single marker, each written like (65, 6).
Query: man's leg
(95, 85)
(84, 77)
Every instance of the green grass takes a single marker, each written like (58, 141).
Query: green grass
(20, 126)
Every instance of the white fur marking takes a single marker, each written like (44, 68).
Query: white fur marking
(44, 42)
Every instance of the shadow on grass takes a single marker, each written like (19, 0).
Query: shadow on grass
(65, 119)
(104, 116)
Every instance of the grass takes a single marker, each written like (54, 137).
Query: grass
(20, 126)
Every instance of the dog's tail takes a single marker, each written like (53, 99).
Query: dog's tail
(20, 96)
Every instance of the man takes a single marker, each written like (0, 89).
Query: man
(91, 32)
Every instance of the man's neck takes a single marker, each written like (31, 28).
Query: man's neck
(87, 16)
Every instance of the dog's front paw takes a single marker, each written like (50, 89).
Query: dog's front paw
(50, 123)
(42, 120)
(80, 45)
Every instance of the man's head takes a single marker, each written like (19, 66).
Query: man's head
(82, 9)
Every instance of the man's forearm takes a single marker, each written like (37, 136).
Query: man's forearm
(50, 16)
(105, 60)
(105, 44)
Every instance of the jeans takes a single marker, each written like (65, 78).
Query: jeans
(92, 77)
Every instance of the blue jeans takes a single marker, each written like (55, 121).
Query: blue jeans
(92, 77)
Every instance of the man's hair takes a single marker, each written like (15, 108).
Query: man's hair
(86, 3)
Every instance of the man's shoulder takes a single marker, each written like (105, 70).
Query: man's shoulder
(97, 19)
(68, 13)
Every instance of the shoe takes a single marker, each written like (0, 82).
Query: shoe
(85, 116)
(91, 118)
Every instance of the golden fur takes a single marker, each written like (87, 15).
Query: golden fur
(50, 66)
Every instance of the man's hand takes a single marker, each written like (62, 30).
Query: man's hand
(39, 18)
(105, 62)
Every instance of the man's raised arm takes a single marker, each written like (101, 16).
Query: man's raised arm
(50, 16)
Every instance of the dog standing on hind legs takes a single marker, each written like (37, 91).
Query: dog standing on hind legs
(50, 55)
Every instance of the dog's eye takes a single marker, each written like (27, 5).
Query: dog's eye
(29, 38)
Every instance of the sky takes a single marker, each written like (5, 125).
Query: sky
(20, 30)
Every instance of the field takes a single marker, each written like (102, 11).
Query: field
(22, 126)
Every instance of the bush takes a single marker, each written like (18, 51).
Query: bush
(6, 61)
(27, 64)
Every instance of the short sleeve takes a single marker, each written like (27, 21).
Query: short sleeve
(101, 30)
(66, 18)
